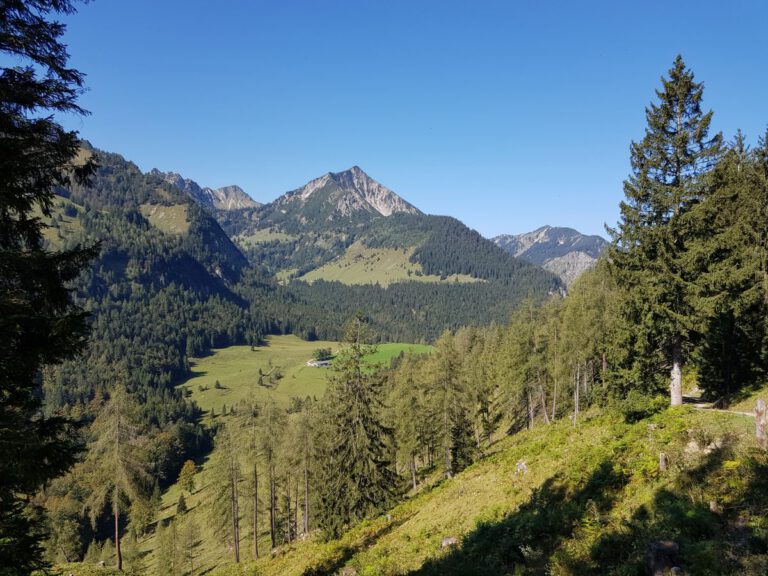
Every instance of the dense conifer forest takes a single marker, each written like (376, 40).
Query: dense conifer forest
(113, 281)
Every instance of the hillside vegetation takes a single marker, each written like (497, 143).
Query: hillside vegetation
(565, 500)
(362, 265)
(555, 499)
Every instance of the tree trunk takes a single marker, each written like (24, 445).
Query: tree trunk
(543, 397)
(288, 510)
(272, 530)
(255, 511)
(306, 497)
(761, 423)
(447, 439)
(603, 368)
(233, 507)
(413, 471)
(116, 512)
(576, 396)
(554, 402)
(530, 410)
(676, 376)
(296, 510)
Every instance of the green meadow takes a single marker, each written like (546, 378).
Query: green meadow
(278, 369)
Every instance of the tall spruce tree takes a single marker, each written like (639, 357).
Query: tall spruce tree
(39, 323)
(356, 476)
(648, 248)
(733, 241)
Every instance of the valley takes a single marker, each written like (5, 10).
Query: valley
(278, 370)
(335, 382)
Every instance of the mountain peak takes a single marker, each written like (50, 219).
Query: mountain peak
(351, 191)
(225, 198)
(564, 251)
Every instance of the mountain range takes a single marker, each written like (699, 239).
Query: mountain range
(563, 251)
(226, 198)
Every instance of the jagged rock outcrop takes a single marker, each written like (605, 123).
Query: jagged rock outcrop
(346, 193)
(564, 251)
(226, 198)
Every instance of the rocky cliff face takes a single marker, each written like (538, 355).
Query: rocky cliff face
(225, 198)
(347, 193)
(564, 251)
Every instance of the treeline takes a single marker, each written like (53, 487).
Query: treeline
(400, 312)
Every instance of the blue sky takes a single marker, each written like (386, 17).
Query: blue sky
(506, 115)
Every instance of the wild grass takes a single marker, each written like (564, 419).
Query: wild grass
(169, 219)
(384, 266)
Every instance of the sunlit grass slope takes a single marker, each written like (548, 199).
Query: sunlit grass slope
(589, 501)
(281, 366)
(559, 499)
(169, 219)
(363, 265)
(278, 369)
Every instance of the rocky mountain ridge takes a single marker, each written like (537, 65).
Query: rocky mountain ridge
(225, 198)
(348, 192)
(564, 251)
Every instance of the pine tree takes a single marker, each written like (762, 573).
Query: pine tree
(357, 477)
(39, 322)
(648, 248)
(181, 505)
(271, 430)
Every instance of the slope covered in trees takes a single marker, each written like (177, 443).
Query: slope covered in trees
(681, 299)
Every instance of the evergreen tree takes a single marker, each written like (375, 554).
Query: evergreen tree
(648, 248)
(732, 243)
(450, 404)
(39, 322)
(355, 452)
(271, 430)
(181, 505)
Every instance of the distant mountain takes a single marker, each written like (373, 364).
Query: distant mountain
(564, 251)
(334, 200)
(225, 198)
(346, 227)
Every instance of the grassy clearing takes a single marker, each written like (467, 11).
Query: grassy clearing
(168, 219)
(385, 353)
(261, 236)
(362, 265)
(748, 401)
(281, 366)
(239, 368)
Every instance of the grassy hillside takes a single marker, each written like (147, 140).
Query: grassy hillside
(281, 366)
(589, 501)
(363, 265)
(556, 499)
(170, 219)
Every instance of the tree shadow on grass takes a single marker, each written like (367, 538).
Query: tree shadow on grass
(713, 539)
(523, 541)
(343, 554)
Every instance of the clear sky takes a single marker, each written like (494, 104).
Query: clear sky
(505, 114)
